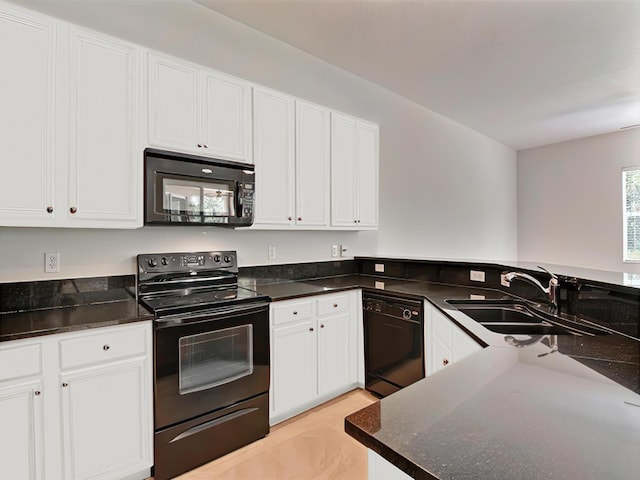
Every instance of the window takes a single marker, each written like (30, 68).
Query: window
(631, 213)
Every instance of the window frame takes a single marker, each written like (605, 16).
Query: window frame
(626, 215)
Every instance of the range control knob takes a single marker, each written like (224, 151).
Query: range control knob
(152, 262)
(228, 259)
(216, 258)
(406, 313)
(164, 261)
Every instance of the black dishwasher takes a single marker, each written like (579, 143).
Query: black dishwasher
(393, 342)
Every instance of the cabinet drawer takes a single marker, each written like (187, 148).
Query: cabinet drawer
(290, 311)
(105, 346)
(22, 361)
(333, 304)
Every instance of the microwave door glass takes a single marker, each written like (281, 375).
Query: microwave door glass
(193, 201)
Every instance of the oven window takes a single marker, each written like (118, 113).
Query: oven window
(215, 358)
(195, 199)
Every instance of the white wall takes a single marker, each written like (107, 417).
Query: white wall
(570, 201)
(445, 190)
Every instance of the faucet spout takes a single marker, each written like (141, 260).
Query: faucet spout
(551, 291)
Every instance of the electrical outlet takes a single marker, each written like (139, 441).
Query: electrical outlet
(52, 262)
(335, 250)
(272, 252)
(379, 267)
(476, 276)
(343, 250)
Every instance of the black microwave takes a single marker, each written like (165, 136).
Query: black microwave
(181, 189)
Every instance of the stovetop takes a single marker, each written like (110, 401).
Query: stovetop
(172, 283)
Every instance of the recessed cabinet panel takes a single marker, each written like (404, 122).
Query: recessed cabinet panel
(335, 352)
(27, 50)
(21, 445)
(104, 161)
(173, 104)
(226, 118)
(343, 171)
(312, 164)
(367, 148)
(98, 444)
(273, 115)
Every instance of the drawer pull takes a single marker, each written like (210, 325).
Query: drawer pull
(322, 325)
(106, 347)
(295, 312)
(311, 329)
(335, 305)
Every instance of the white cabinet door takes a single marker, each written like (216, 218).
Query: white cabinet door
(343, 171)
(27, 50)
(312, 164)
(367, 161)
(104, 153)
(293, 366)
(273, 152)
(174, 107)
(21, 437)
(103, 413)
(335, 353)
(446, 343)
(226, 118)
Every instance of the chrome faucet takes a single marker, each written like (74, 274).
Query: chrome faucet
(550, 291)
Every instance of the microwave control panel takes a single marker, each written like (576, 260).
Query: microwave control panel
(246, 195)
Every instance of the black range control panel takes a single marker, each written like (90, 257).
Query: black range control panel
(186, 262)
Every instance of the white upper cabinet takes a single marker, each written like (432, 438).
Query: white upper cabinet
(92, 137)
(274, 157)
(291, 153)
(354, 172)
(27, 50)
(105, 155)
(196, 110)
(312, 164)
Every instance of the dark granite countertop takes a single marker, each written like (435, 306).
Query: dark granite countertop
(15, 326)
(504, 412)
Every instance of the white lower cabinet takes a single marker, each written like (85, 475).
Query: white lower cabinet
(445, 342)
(381, 469)
(314, 351)
(83, 410)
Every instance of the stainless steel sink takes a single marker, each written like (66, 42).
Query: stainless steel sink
(515, 317)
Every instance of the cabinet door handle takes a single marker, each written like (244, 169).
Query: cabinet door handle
(299, 219)
(65, 384)
(106, 347)
(335, 305)
(49, 209)
(295, 313)
(290, 218)
(445, 361)
(311, 329)
(37, 393)
(73, 209)
(206, 146)
(199, 145)
(322, 325)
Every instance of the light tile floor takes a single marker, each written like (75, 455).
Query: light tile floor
(312, 445)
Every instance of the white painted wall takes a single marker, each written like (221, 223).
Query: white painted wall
(445, 190)
(570, 201)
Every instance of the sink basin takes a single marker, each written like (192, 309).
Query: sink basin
(514, 317)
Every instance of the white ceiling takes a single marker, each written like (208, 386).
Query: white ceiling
(524, 72)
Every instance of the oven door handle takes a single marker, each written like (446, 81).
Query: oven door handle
(211, 314)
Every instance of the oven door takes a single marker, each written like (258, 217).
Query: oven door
(208, 360)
